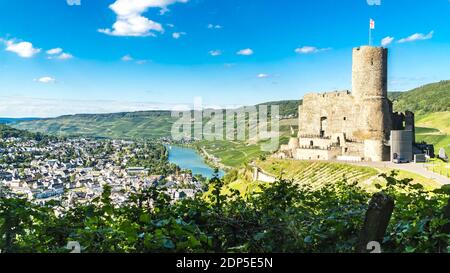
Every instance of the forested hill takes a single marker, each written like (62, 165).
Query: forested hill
(8, 132)
(145, 124)
(430, 98)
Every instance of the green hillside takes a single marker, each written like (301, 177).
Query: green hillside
(146, 124)
(288, 108)
(434, 128)
(132, 125)
(431, 106)
(317, 174)
(430, 98)
(7, 132)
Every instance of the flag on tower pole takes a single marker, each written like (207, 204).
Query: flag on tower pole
(371, 26)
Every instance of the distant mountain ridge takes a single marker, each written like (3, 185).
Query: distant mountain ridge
(427, 99)
(129, 125)
(14, 120)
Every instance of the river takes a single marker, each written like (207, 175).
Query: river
(189, 159)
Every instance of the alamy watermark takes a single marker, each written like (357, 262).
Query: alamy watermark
(255, 124)
(374, 247)
(75, 247)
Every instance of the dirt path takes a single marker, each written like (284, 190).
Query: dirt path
(417, 168)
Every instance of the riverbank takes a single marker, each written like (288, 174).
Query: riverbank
(190, 158)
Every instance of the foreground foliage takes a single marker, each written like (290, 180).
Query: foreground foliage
(283, 217)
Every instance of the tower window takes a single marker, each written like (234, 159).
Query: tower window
(345, 118)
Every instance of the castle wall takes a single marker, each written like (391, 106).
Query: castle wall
(410, 124)
(402, 145)
(259, 175)
(353, 149)
(332, 113)
(322, 143)
(316, 154)
(397, 121)
(373, 150)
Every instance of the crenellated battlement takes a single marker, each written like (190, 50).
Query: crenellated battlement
(332, 94)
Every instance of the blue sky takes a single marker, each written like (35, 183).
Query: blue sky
(92, 56)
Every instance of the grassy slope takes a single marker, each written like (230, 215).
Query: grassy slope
(316, 173)
(435, 128)
(319, 174)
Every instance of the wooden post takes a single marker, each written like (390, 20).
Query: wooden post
(376, 222)
(446, 228)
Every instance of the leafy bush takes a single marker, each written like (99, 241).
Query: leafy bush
(283, 217)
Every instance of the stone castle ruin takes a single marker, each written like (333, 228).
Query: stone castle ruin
(353, 126)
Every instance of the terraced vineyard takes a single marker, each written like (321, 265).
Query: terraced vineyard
(316, 173)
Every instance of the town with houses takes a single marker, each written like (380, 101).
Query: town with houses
(76, 170)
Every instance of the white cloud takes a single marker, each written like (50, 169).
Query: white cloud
(65, 56)
(136, 26)
(211, 26)
(263, 75)
(46, 79)
(170, 25)
(73, 2)
(215, 52)
(54, 51)
(23, 49)
(130, 21)
(177, 35)
(163, 11)
(141, 61)
(245, 52)
(57, 53)
(309, 50)
(127, 58)
(417, 37)
(387, 41)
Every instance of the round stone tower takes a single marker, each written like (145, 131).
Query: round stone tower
(369, 80)
(369, 72)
